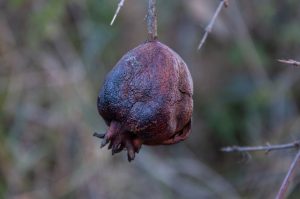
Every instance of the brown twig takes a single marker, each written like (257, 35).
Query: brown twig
(289, 177)
(267, 148)
(121, 3)
(289, 61)
(152, 20)
(209, 27)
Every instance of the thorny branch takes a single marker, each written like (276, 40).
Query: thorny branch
(267, 148)
(152, 20)
(121, 3)
(289, 176)
(209, 27)
(289, 61)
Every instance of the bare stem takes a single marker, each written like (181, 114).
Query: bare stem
(152, 20)
(289, 61)
(121, 3)
(267, 148)
(289, 177)
(209, 27)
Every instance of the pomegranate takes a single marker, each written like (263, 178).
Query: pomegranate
(146, 99)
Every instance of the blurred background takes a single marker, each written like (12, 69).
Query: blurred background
(54, 56)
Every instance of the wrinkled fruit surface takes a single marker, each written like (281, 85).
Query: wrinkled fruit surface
(146, 99)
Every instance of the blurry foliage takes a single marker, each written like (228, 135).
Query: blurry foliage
(238, 106)
(45, 20)
(54, 55)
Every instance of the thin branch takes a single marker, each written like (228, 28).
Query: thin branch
(152, 20)
(209, 27)
(289, 61)
(289, 177)
(267, 148)
(120, 5)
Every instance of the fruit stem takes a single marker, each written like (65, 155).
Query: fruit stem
(152, 20)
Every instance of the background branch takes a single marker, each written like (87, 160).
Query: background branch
(289, 177)
(152, 20)
(120, 5)
(209, 27)
(267, 148)
(289, 61)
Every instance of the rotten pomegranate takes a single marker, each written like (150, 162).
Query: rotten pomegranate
(146, 99)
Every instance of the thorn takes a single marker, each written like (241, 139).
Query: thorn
(113, 150)
(99, 135)
(130, 155)
(138, 150)
(121, 3)
(110, 146)
(137, 145)
(130, 150)
(289, 61)
(117, 148)
(104, 142)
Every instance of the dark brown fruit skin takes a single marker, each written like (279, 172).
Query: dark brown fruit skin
(146, 99)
